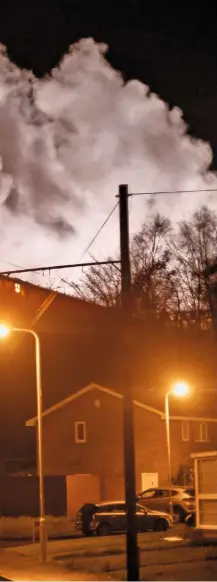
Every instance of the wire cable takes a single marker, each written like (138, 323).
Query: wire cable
(57, 267)
(160, 192)
(98, 232)
(49, 300)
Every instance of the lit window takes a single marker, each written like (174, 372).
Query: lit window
(17, 288)
(201, 432)
(80, 432)
(185, 430)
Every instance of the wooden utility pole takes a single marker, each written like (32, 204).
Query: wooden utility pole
(129, 447)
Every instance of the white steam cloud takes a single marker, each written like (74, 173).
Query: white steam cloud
(67, 141)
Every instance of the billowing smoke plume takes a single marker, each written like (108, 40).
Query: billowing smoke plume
(67, 141)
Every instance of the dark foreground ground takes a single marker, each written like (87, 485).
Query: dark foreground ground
(163, 556)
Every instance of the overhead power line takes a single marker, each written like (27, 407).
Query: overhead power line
(57, 267)
(88, 264)
(46, 304)
(98, 232)
(173, 192)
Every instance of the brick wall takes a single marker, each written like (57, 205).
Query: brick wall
(150, 445)
(181, 450)
(102, 454)
(103, 451)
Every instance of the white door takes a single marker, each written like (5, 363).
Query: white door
(149, 480)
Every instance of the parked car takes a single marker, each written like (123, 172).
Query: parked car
(157, 498)
(110, 517)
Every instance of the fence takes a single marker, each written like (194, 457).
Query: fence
(20, 496)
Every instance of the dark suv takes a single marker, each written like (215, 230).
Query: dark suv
(157, 498)
(110, 517)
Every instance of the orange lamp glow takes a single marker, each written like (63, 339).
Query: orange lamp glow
(180, 389)
(4, 330)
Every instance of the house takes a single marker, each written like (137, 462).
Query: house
(81, 342)
(71, 331)
(83, 439)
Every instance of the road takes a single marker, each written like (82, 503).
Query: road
(13, 543)
(177, 531)
(163, 556)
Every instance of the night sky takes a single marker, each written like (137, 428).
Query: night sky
(173, 51)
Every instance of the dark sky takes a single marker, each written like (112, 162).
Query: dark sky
(172, 50)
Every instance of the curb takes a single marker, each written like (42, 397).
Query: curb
(29, 538)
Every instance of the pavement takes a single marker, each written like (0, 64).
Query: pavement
(13, 543)
(17, 567)
(21, 562)
(164, 556)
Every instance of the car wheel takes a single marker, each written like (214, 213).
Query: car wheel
(178, 514)
(104, 529)
(190, 520)
(161, 525)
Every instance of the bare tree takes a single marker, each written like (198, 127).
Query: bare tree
(151, 267)
(193, 248)
(101, 284)
(150, 260)
(167, 270)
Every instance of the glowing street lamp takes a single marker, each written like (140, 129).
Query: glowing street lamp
(4, 332)
(179, 389)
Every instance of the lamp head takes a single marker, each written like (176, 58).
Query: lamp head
(4, 330)
(180, 389)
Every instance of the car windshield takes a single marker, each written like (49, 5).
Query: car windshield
(104, 508)
(111, 507)
(190, 492)
(147, 494)
(116, 507)
(88, 507)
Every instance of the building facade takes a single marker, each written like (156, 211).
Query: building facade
(83, 436)
(71, 331)
(81, 343)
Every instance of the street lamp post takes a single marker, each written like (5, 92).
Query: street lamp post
(180, 389)
(4, 331)
(167, 419)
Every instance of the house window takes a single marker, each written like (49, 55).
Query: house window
(201, 432)
(80, 432)
(185, 430)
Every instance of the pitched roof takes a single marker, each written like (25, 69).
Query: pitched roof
(199, 403)
(46, 291)
(93, 386)
(51, 310)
